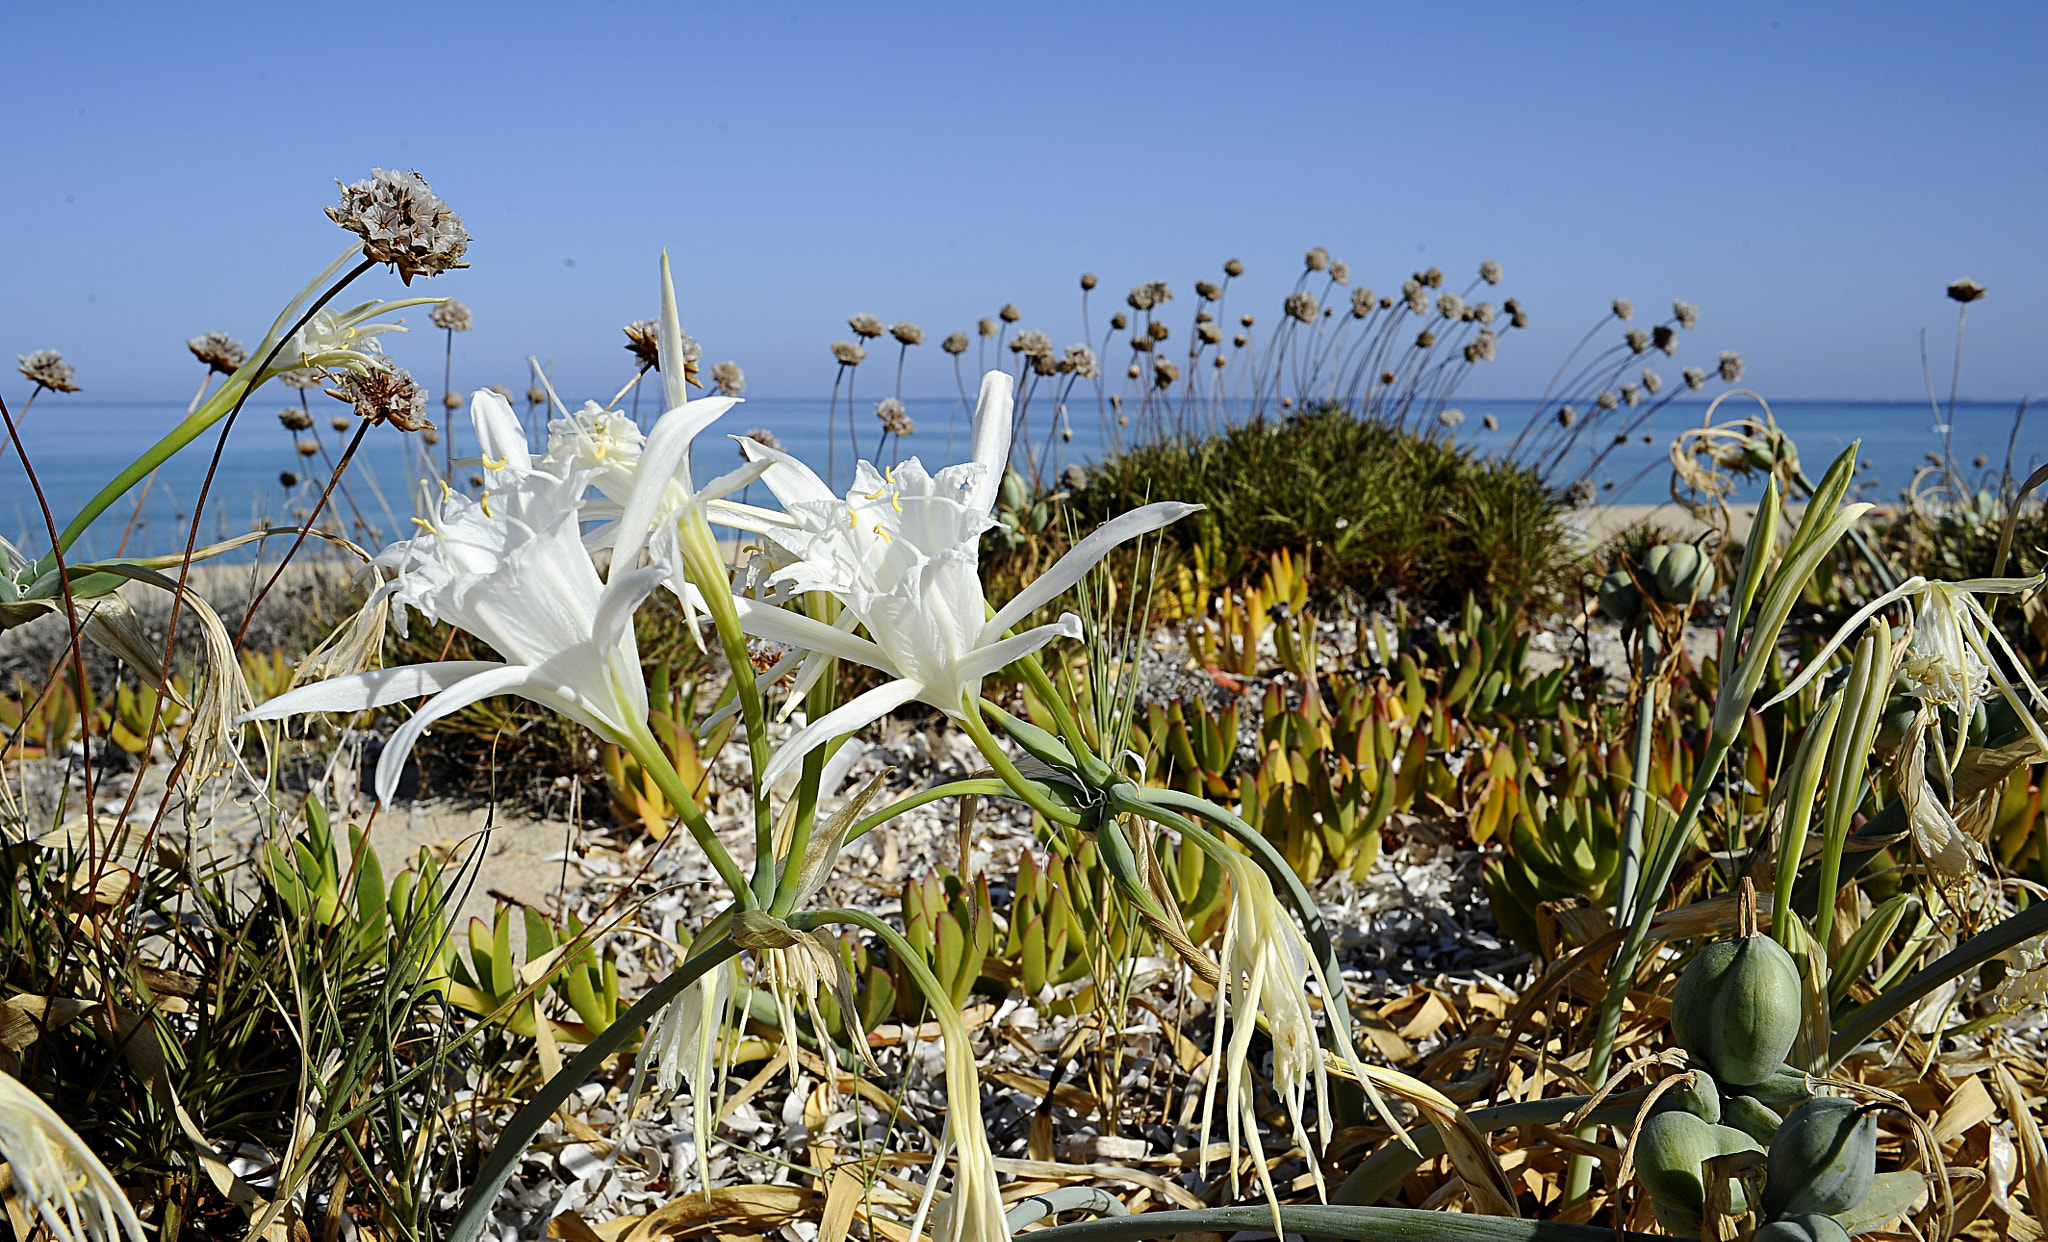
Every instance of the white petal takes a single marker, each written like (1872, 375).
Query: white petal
(1911, 586)
(391, 764)
(498, 433)
(1081, 558)
(664, 459)
(862, 710)
(674, 382)
(733, 480)
(621, 599)
(991, 438)
(983, 661)
(363, 691)
(792, 481)
(783, 626)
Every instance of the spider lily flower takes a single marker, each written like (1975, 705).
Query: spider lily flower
(974, 1211)
(901, 552)
(1266, 963)
(684, 1039)
(57, 1176)
(509, 567)
(1950, 662)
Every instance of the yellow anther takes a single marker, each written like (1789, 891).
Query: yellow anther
(876, 494)
(494, 465)
(896, 500)
(484, 503)
(424, 525)
(883, 533)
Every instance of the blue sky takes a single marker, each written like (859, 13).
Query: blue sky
(1811, 175)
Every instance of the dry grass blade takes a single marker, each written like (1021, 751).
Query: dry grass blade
(1470, 1152)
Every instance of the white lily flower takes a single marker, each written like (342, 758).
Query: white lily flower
(901, 552)
(1950, 662)
(56, 1176)
(510, 568)
(684, 1039)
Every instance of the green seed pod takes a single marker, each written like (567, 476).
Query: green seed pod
(1823, 1158)
(1681, 574)
(1783, 1089)
(1809, 1227)
(1671, 1152)
(1702, 1099)
(1752, 1118)
(1619, 599)
(1737, 1008)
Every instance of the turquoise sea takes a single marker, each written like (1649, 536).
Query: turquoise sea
(77, 446)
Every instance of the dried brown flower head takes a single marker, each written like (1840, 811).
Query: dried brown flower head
(1482, 347)
(1158, 331)
(1209, 333)
(221, 353)
(287, 478)
(1424, 339)
(1386, 377)
(303, 377)
(1638, 340)
(308, 448)
(536, 395)
(1695, 378)
(504, 393)
(643, 340)
(1009, 313)
(1434, 278)
(453, 316)
(894, 420)
(46, 368)
(1450, 418)
(1362, 303)
(987, 327)
(1302, 306)
(1607, 401)
(731, 381)
(1317, 259)
(1490, 423)
(906, 333)
(1074, 478)
(1966, 290)
(1087, 281)
(1687, 314)
(386, 395)
(1164, 373)
(1207, 290)
(1222, 361)
(340, 422)
(402, 222)
(1624, 309)
(1233, 268)
(848, 353)
(1631, 395)
(763, 437)
(1730, 366)
(431, 436)
(1450, 306)
(867, 327)
(1245, 320)
(1143, 344)
(1032, 344)
(295, 419)
(1418, 301)
(1119, 321)
(1652, 381)
(1566, 416)
(450, 399)
(1148, 295)
(1663, 337)
(1489, 271)
(1080, 360)
(955, 343)
(1240, 340)
(1340, 271)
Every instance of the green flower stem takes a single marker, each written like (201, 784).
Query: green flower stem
(811, 774)
(941, 1002)
(1639, 785)
(985, 787)
(1967, 956)
(1366, 1224)
(652, 758)
(1805, 777)
(1093, 769)
(1848, 758)
(518, 1132)
(1026, 790)
(1151, 801)
(706, 568)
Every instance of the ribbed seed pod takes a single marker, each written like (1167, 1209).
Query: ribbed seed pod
(1737, 1006)
(1823, 1158)
(1810, 1227)
(1702, 1099)
(1671, 1153)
